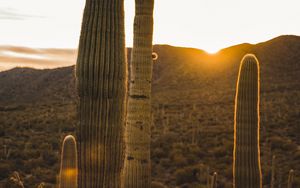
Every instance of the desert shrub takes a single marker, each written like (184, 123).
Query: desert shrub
(159, 153)
(179, 160)
(156, 184)
(186, 175)
(4, 170)
(165, 162)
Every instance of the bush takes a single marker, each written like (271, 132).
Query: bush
(156, 184)
(186, 175)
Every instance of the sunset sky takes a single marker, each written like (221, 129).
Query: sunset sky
(206, 24)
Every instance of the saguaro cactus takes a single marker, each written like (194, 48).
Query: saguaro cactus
(273, 171)
(291, 179)
(208, 182)
(246, 168)
(214, 180)
(68, 167)
(137, 161)
(101, 72)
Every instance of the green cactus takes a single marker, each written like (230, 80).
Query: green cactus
(246, 164)
(68, 167)
(273, 171)
(214, 180)
(137, 158)
(291, 179)
(101, 72)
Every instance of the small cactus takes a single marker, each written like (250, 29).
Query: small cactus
(273, 171)
(68, 168)
(246, 161)
(208, 177)
(214, 180)
(6, 152)
(291, 179)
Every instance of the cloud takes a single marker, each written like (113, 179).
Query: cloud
(11, 57)
(11, 14)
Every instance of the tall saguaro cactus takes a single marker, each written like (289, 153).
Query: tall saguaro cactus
(247, 169)
(101, 72)
(137, 161)
(68, 167)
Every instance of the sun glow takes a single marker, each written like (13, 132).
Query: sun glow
(212, 51)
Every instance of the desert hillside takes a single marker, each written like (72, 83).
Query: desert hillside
(193, 103)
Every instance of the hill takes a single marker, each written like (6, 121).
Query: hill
(193, 102)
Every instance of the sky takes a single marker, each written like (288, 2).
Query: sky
(205, 24)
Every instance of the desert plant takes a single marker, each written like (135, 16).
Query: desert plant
(68, 167)
(155, 184)
(246, 164)
(101, 72)
(137, 158)
(214, 180)
(291, 179)
(15, 178)
(6, 152)
(208, 182)
(41, 185)
(273, 171)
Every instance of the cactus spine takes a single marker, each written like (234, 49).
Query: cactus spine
(68, 167)
(137, 161)
(101, 72)
(291, 179)
(273, 171)
(246, 164)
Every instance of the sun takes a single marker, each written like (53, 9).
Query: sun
(212, 50)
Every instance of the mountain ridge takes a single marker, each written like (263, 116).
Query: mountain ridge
(72, 52)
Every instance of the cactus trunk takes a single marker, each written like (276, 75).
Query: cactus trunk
(68, 167)
(101, 72)
(137, 162)
(246, 169)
